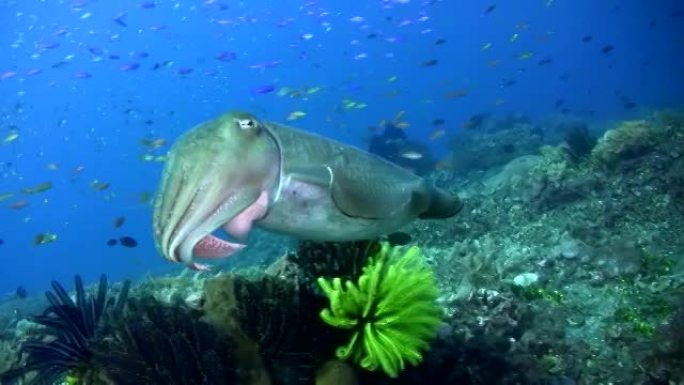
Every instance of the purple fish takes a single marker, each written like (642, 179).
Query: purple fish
(129, 67)
(148, 4)
(395, 39)
(82, 75)
(226, 56)
(33, 72)
(79, 4)
(185, 71)
(95, 51)
(114, 57)
(48, 45)
(119, 19)
(266, 64)
(265, 89)
(140, 54)
(7, 75)
(285, 22)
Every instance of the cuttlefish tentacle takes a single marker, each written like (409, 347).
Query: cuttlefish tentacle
(214, 216)
(213, 247)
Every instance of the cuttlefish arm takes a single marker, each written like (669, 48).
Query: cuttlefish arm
(218, 175)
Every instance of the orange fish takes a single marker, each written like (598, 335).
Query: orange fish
(20, 204)
(455, 94)
(99, 186)
(437, 133)
(444, 164)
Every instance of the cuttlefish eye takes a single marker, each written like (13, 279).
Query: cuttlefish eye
(246, 124)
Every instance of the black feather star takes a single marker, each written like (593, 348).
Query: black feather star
(63, 346)
(155, 343)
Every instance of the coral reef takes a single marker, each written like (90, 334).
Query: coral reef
(629, 140)
(477, 151)
(603, 238)
(564, 268)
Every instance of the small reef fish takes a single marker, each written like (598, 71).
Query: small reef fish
(82, 75)
(39, 188)
(99, 186)
(129, 67)
(296, 115)
(429, 63)
(20, 204)
(455, 94)
(349, 104)
(490, 9)
(226, 56)
(153, 144)
(11, 137)
(77, 170)
(265, 89)
(152, 158)
(127, 241)
(144, 197)
(118, 222)
(607, 49)
(412, 155)
(437, 133)
(44, 238)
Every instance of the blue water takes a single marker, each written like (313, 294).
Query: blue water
(91, 111)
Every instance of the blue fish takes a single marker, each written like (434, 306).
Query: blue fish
(265, 89)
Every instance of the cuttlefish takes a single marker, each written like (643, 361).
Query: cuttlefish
(237, 171)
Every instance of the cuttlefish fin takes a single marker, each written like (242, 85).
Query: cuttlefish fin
(441, 204)
(362, 192)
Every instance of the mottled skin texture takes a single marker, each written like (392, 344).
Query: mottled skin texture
(237, 171)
